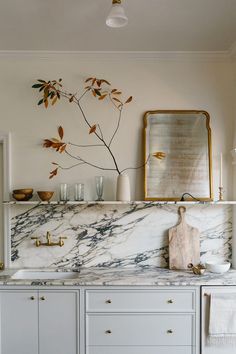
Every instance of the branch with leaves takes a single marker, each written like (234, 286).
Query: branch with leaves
(53, 91)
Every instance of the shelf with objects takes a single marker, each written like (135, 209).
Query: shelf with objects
(110, 202)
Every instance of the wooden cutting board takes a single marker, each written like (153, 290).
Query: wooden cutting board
(184, 244)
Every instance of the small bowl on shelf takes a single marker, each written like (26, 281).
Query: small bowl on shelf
(218, 267)
(22, 195)
(45, 196)
(26, 191)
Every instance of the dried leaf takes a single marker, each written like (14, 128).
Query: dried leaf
(103, 96)
(94, 93)
(116, 99)
(54, 100)
(159, 155)
(46, 103)
(93, 129)
(114, 90)
(129, 100)
(117, 93)
(47, 143)
(60, 132)
(62, 149)
(53, 173)
(97, 91)
(71, 99)
(105, 81)
(37, 85)
(40, 101)
(89, 79)
(98, 82)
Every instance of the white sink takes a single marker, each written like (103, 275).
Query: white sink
(38, 275)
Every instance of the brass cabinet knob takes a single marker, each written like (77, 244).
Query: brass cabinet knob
(108, 331)
(42, 298)
(32, 298)
(169, 331)
(108, 301)
(170, 301)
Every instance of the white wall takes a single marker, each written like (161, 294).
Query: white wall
(155, 84)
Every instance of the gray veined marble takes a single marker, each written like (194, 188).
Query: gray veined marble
(114, 235)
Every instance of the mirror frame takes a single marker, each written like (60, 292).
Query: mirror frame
(165, 198)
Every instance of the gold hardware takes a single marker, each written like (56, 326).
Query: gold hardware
(1, 265)
(42, 298)
(108, 301)
(61, 243)
(49, 241)
(37, 242)
(32, 297)
(199, 269)
(169, 331)
(170, 301)
(116, 2)
(108, 331)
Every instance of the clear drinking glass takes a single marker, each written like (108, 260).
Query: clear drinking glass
(79, 191)
(99, 180)
(64, 192)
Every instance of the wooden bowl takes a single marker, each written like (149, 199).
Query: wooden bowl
(23, 191)
(45, 196)
(21, 197)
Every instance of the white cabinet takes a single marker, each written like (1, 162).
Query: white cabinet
(19, 322)
(39, 322)
(206, 295)
(138, 321)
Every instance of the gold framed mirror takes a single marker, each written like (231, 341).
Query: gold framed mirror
(182, 139)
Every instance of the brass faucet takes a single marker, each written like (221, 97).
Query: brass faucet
(49, 242)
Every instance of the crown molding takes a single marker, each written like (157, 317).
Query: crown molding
(216, 56)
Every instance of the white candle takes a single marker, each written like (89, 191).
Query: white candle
(221, 170)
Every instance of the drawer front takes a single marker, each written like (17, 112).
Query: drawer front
(140, 350)
(140, 329)
(136, 301)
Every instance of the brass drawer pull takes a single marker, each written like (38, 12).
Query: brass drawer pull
(170, 301)
(108, 301)
(169, 331)
(108, 331)
(32, 298)
(42, 298)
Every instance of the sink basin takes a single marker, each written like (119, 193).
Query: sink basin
(38, 275)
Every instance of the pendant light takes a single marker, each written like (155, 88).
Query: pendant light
(117, 17)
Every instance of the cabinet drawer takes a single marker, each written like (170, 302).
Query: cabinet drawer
(140, 350)
(136, 301)
(140, 329)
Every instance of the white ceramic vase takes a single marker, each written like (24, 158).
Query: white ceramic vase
(123, 188)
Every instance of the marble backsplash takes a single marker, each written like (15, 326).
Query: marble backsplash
(117, 235)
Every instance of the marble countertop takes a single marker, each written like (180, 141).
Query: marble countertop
(125, 277)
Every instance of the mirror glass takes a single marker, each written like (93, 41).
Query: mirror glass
(184, 166)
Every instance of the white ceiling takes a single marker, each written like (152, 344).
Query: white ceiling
(154, 25)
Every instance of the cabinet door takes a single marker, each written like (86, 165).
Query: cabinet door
(206, 347)
(19, 322)
(58, 316)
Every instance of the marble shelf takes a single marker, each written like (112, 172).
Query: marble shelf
(113, 202)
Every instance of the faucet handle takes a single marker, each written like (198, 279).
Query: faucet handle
(37, 241)
(61, 242)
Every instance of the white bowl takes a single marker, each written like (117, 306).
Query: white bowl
(218, 267)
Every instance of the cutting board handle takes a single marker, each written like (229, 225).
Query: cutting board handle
(182, 211)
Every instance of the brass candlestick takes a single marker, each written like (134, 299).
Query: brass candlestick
(221, 194)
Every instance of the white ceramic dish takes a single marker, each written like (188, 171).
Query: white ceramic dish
(218, 267)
